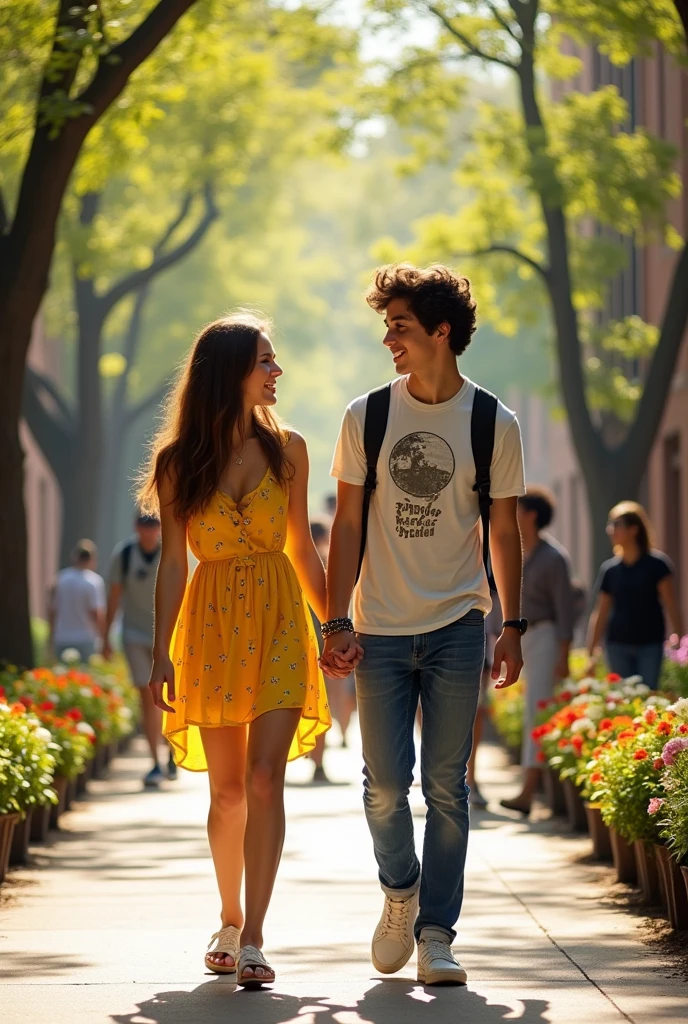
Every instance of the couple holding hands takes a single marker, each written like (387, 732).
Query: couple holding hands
(236, 665)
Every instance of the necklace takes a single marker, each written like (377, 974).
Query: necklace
(239, 459)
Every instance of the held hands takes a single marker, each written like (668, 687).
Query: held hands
(161, 673)
(508, 652)
(341, 655)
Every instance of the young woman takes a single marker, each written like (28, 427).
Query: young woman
(635, 588)
(235, 652)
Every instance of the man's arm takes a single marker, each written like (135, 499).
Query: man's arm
(507, 565)
(114, 597)
(667, 594)
(342, 651)
(562, 598)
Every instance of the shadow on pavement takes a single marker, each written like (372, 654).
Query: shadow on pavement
(387, 1002)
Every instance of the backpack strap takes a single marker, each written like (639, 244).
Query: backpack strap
(125, 556)
(483, 420)
(377, 412)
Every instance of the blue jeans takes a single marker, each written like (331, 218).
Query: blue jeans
(636, 660)
(443, 668)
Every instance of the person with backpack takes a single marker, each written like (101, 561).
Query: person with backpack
(419, 463)
(131, 587)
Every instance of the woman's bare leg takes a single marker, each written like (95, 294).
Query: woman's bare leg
(225, 752)
(269, 740)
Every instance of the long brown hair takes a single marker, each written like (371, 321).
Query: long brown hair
(630, 513)
(203, 410)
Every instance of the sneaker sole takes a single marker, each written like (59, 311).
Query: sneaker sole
(391, 968)
(448, 977)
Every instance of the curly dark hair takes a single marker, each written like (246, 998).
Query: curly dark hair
(435, 295)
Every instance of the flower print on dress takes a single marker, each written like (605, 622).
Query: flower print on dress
(228, 697)
(222, 658)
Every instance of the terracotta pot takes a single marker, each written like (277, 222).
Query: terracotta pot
(599, 833)
(575, 808)
(674, 889)
(7, 824)
(82, 779)
(70, 795)
(624, 858)
(554, 792)
(40, 823)
(19, 851)
(99, 763)
(648, 872)
(112, 751)
(684, 872)
(124, 744)
(60, 787)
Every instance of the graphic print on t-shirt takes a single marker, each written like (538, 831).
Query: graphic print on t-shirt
(421, 465)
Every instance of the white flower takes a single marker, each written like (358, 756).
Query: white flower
(611, 706)
(43, 734)
(582, 698)
(125, 713)
(633, 680)
(85, 691)
(85, 729)
(598, 686)
(596, 712)
(680, 707)
(581, 725)
(96, 659)
(71, 656)
(555, 734)
(4, 708)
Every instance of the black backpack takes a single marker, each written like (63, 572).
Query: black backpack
(125, 556)
(483, 419)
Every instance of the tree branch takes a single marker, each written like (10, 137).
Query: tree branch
(465, 41)
(38, 381)
(499, 17)
(140, 278)
(51, 433)
(641, 436)
(113, 73)
(152, 399)
(69, 18)
(511, 251)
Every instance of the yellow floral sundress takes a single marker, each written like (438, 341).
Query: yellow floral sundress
(245, 641)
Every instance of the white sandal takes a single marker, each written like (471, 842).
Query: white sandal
(251, 956)
(227, 942)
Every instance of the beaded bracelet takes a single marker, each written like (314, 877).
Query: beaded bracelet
(336, 626)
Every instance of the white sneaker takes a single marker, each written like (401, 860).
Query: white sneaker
(393, 940)
(437, 965)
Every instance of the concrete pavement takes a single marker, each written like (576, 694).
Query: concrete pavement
(114, 925)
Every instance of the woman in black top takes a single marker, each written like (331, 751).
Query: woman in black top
(634, 588)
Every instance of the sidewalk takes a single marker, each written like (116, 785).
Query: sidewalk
(114, 926)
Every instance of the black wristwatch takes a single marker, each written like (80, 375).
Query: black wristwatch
(520, 624)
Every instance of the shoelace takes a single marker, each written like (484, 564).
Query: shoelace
(435, 949)
(395, 920)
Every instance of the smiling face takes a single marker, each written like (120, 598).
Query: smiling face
(412, 348)
(260, 387)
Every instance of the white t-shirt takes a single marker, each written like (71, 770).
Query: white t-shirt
(78, 593)
(423, 565)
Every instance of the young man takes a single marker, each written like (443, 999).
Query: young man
(77, 604)
(420, 604)
(133, 568)
(548, 605)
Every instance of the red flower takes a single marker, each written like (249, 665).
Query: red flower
(47, 705)
(541, 756)
(74, 714)
(26, 701)
(563, 744)
(658, 764)
(566, 695)
(683, 729)
(596, 777)
(640, 755)
(651, 716)
(605, 724)
(542, 704)
(613, 677)
(577, 743)
(663, 729)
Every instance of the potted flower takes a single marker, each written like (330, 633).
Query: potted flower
(672, 812)
(506, 712)
(26, 771)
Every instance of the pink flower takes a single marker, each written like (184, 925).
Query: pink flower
(672, 748)
(654, 804)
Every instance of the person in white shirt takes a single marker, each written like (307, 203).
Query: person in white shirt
(421, 601)
(76, 611)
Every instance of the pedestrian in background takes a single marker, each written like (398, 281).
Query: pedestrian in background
(131, 587)
(76, 606)
(634, 590)
(548, 604)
